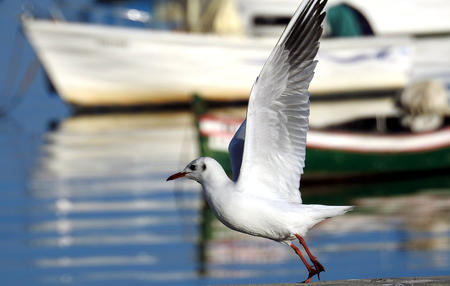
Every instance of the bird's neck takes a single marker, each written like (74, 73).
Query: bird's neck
(216, 191)
(216, 183)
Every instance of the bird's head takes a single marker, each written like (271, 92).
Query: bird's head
(198, 170)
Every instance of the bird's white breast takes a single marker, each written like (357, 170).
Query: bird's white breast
(251, 215)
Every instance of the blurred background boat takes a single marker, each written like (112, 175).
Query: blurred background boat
(372, 142)
(217, 48)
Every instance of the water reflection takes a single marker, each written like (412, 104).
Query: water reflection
(104, 203)
(394, 217)
(99, 211)
(16, 151)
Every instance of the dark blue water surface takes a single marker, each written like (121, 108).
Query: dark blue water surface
(86, 203)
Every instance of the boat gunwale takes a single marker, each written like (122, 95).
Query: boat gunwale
(442, 136)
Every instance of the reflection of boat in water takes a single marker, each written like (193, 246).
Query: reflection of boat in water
(98, 184)
(99, 211)
(98, 65)
(348, 144)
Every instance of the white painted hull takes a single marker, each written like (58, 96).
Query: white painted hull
(220, 131)
(93, 65)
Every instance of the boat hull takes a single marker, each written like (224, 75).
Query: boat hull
(342, 154)
(94, 65)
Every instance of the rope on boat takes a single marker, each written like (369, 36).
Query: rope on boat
(12, 99)
(424, 105)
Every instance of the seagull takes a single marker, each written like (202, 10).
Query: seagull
(268, 150)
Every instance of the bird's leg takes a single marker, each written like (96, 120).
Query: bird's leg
(311, 270)
(317, 265)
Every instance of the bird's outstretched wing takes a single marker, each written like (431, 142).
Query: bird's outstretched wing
(278, 111)
(236, 150)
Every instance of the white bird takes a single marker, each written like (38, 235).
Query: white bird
(264, 199)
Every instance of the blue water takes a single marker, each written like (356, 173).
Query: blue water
(86, 203)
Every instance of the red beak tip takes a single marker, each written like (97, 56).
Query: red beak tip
(176, 176)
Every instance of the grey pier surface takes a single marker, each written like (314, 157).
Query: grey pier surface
(408, 281)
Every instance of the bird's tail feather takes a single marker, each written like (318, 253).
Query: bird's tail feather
(322, 212)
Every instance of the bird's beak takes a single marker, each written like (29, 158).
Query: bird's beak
(176, 176)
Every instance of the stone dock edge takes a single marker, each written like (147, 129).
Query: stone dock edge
(407, 281)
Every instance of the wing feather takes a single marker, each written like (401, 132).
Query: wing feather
(278, 112)
(236, 150)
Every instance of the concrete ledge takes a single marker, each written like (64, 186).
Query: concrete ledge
(408, 281)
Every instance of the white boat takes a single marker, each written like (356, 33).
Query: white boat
(403, 17)
(97, 65)
(92, 65)
(385, 17)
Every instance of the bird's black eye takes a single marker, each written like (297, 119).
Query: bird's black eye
(192, 167)
(204, 167)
